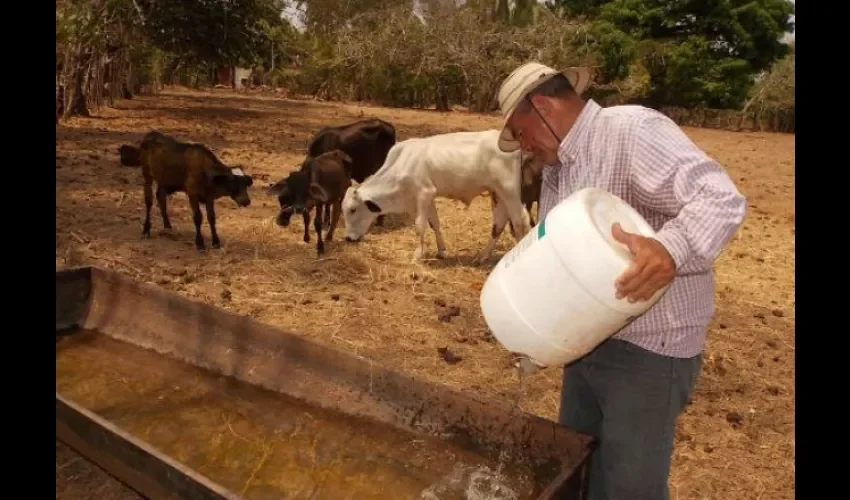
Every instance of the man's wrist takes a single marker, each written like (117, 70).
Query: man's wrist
(675, 243)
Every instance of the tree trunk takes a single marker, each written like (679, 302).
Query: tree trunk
(77, 104)
(58, 108)
(127, 81)
(442, 99)
(747, 108)
(67, 72)
(503, 12)
(523, 13)
(173, 73)
(95, 84)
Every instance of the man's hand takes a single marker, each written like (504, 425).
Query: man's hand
(653, 267)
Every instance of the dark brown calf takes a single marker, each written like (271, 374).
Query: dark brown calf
(366, 142)
(190, 168)
(321, 182)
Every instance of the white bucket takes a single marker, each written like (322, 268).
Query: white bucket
(552, 297)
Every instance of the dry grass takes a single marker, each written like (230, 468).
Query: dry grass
(736, 441)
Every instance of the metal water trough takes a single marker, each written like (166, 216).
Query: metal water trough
(263, 355)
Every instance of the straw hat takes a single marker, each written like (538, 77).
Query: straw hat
(523, 80)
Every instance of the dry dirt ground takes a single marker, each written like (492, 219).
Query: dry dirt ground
(79, 479)
(736, 439)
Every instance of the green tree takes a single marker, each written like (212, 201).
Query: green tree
(696, 52)
(774, 92)
(324, 17)
(215, 32)
(100, 41)
(92, 38)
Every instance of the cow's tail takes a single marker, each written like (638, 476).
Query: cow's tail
(130, 156)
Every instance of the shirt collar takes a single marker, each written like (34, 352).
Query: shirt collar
(570, 145)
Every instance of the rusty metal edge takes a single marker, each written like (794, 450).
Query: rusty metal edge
(132, 461)
(571, 482)
(68, 280)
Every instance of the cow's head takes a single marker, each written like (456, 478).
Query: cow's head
(293, 196)
(532, 170)
(232, 182)
(358, 213)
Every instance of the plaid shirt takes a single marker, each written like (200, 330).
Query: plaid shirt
(644, 158)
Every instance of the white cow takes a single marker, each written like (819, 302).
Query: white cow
(458, 166)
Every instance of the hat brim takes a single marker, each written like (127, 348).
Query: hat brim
(578, 77)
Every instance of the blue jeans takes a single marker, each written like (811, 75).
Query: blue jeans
(629, 399)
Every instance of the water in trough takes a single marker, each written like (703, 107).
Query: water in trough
(265, 445)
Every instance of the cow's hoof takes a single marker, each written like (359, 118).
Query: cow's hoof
(442, 254)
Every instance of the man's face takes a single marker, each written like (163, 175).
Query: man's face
(534, 136)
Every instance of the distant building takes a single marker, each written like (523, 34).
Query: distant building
(225, 76)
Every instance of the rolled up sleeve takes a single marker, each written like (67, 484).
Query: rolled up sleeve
(672, 175)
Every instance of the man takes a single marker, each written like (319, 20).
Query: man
(630, 390)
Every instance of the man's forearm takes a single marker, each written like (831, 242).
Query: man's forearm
(673, 176)
(704, 225)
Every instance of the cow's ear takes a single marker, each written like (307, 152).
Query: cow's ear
(283, 197)
(347, 160)
(318, 192)
(221, 179)
(218, 173)
(373, 207)
(277, 188)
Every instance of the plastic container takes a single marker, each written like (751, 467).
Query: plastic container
(552, 297)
